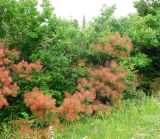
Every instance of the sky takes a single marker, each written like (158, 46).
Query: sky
(90, 8)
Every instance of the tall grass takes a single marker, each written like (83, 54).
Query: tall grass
(137, 120)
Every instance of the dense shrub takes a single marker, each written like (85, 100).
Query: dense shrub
(103, 86)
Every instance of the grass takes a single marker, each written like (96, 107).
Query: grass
(137, 120)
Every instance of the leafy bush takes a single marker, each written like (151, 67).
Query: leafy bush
(103, 86)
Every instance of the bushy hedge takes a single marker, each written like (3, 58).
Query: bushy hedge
(61, 72)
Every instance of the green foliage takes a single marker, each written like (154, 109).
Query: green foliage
(139, 60)
(145, 7)
(59, 53)
(22, 25)
(96, 30)
(144, 30)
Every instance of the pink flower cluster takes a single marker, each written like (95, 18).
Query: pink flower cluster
(39, 103)
(117, 46)
(24, 69)
(71, 108)
(7, 87)
(105, 81)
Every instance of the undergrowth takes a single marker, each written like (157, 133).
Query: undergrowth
(136, 119)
